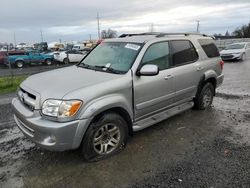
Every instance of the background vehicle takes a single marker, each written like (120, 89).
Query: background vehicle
(123, 85)
(78, 47)
(236, 51)
(71, 56)
(3, 58)
(27, 58)
(4, 54)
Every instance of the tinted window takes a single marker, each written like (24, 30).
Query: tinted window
(183, 52)
(157, 54)
(209, 47)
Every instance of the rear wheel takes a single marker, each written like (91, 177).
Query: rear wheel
(204, 97)
(19, 64)
(48, 62)
(105, 137)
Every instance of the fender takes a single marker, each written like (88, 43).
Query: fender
(210, 74)
(104, 103)
(96, 107)
(20, 59)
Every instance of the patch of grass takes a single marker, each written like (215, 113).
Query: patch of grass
(10, 84)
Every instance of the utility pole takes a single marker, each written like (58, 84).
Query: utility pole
(15, 39)
(98, 25)
(198, 26)
(41, 35)
(151, 28)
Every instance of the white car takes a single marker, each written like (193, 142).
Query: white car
(79, 47)
(71, 56)
(236, 51)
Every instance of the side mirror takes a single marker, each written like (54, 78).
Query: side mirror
(149, 70)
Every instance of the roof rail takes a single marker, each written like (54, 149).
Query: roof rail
(159, 34)
(185, 34)
(138, 34)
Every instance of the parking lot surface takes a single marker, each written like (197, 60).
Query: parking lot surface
(208, 148)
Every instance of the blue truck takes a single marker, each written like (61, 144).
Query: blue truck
(27, 58)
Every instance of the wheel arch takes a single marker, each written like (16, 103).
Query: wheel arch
(120, 111)
(205, 79)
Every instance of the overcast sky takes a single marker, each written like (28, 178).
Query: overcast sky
(76, 19)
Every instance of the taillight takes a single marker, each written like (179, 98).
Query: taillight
(221, 64)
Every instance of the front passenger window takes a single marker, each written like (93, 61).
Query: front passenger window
(157, 54)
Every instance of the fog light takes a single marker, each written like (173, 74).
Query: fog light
(50, 140)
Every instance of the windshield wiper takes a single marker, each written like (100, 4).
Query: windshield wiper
(83, 65)
(109, 69)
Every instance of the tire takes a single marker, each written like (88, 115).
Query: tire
(105, 137)
(48, 62)
(243, 57)
(19, 64)
(204, 97)
(65, 61)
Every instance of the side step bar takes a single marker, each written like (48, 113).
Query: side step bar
(142, 124)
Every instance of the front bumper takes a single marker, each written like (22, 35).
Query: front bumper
(225, 57)
(50, 135)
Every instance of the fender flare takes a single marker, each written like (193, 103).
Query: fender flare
(102, 104)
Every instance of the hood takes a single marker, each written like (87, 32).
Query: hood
(58, 83)
(232, 51)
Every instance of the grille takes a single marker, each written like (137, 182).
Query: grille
(27, 99)
(227, 56)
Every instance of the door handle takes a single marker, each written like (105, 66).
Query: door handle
(168, 77)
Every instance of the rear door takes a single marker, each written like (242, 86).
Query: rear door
(154, 93)
(184, 69)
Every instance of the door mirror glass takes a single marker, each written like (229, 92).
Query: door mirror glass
(149, 70)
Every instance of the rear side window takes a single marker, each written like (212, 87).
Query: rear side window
(183, 52)
(209, 47)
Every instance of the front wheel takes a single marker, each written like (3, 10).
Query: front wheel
(243, 57)
(204, 97)
(105, 137)
(65, 61)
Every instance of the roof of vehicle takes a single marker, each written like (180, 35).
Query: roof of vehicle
(145, 37)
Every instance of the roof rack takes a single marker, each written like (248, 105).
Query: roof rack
(138, 34)
(159, 34)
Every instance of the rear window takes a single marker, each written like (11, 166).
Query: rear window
(183, 52)
(209, 47)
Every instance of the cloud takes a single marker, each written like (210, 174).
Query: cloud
(75, 20)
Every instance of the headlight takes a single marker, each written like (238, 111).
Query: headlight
(61, 108)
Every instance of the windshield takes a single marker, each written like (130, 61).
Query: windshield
(118, 56)
(235, 46)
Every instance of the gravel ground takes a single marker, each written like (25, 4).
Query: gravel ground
(208, 148)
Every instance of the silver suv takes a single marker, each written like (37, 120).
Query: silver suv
(123, 85)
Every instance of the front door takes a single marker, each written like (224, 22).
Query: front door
(154, 93)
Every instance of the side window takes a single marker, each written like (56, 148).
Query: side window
(157, 54)
(183, 52)
(209, 47)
